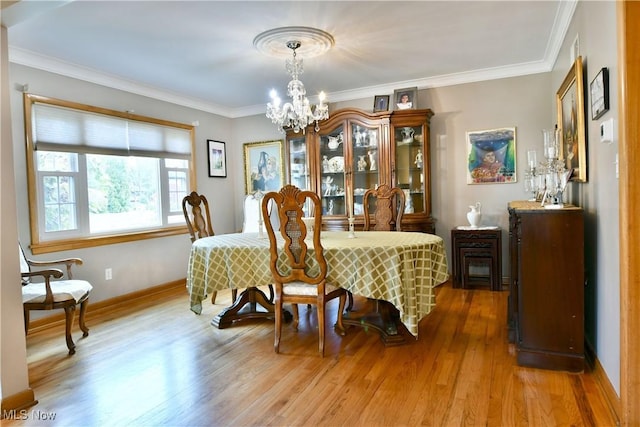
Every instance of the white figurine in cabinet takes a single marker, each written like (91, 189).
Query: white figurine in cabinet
(372, 160)
(418, 161)
(330, 209)
(328, 181)
(373, 138)
(357, 134)
(362, 164)
(325, 164)
(408, 202)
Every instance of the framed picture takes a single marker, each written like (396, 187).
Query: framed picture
(405, 99)
(217, 155)
(263, 166)
(570, 104)
(600, 94)
(491, 156)
(380, 103)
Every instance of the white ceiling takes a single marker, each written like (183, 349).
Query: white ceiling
(201, 53)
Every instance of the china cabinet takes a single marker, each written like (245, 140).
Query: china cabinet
(410, 166)
(354, 151)
(546, 300)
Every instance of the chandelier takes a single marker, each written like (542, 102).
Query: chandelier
(298, 113)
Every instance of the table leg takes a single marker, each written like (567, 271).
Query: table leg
(384, 318)
(251, 304)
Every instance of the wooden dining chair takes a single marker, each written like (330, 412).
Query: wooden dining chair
(252, 213)
(253, 221)
(54, 294)
(389, 208)
(294, 283)
(199, 225)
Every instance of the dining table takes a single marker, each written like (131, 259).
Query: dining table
(398, 270)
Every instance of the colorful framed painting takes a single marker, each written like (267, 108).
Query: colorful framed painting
(217, 155)
(491, 156)
(570, 106)
(263, 166)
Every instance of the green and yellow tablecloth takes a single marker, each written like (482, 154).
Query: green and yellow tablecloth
(400, 267)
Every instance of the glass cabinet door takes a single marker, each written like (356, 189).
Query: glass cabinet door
(299, 163)
(409, 163)
(365, 166)
(332, 172)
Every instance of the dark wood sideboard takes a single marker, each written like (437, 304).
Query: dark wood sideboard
(546, 299)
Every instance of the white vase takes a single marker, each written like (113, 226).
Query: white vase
(474, 215)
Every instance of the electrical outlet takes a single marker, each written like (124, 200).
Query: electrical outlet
(108, 274)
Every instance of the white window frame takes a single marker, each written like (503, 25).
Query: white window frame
(79, 238)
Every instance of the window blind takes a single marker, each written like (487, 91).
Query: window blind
(66, 129)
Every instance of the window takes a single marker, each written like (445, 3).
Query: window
(99, 176)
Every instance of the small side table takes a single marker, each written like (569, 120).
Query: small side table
(475, 247)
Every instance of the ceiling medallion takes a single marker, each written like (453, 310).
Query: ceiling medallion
(313, 42)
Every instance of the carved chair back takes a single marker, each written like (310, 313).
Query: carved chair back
(199, 222)
(389, 208)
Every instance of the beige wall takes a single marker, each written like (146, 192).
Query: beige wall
(594, 23)
(13, 366)
(135, 265)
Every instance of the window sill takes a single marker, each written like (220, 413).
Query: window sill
(64, 245)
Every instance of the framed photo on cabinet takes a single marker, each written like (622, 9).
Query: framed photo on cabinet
(263, 166)
(570, 109)
(217, 156)
(406, 99)
(380, 103)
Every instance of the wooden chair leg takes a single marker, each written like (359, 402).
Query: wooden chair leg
(69, 311)
(26, 321)
(213, 297)
(321, 327)
(278, 323)
(234, 295)
(350, 304)
(271, 293)
(339, 325)
(83, 310)
(296, 316)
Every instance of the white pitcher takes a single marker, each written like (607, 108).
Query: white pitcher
(474, 215)
(334, 141)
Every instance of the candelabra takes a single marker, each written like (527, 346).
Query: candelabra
(547, 180)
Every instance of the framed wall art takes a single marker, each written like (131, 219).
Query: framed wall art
(599, 89)
(380, 103)
(263, 166)
(491, 156)
(570, 109)
(405, 99)
(217, 156)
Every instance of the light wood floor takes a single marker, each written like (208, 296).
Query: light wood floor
(161, 365)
